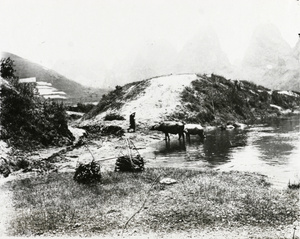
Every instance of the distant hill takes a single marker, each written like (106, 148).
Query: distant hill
(75, 92)
(193, 98)
(270, 61)
(145, 62)
(203, 54)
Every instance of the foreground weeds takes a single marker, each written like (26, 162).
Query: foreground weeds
(56, 205)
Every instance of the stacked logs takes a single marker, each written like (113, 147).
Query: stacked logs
(130, 164)
(88, 173)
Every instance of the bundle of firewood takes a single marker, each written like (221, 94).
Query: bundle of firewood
(88, 173)
(127, 163)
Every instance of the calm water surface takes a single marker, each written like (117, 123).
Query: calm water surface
(272, 149)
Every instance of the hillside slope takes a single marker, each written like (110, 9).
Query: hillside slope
(151, 99)
(75, 91)
(194, 99)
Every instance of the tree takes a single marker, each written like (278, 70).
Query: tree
(27, 120)
(7, 70)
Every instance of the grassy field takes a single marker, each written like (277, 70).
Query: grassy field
(56, 205)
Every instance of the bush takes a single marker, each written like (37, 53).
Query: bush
(113, 116)
(111, 100)
(27, 120)
(112, 130)
(84, 108)
(22, 163)
(4, 169)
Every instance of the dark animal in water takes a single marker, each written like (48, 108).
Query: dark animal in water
(170, 127)
(194, 129)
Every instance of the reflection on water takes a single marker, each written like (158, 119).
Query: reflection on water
(272, 149)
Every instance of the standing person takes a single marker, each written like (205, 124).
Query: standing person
(132, 121)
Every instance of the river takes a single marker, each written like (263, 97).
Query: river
(271, 148)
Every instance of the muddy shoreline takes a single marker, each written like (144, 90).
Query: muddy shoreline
(107, 149)
(104, 149)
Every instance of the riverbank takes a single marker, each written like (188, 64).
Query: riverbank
(202, 185)
(106, 150)
(201, 204)
(156, 153)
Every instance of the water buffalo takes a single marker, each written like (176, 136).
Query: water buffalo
(194, 129)
(170, 127)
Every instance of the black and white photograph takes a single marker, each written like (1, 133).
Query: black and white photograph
(150, 119)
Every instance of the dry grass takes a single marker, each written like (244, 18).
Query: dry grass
(57, 205)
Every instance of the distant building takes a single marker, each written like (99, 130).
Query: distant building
(27, 80)
(46, 90)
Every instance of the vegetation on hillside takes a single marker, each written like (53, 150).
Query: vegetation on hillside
(75, 91)
(80, 107)
(27, 121)
(210, 100)
(116, 98)
(216, 100)
(24, 68)
(110, 100)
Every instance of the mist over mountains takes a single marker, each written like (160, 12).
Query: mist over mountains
(149, 60)
(202, 54)
(269, 60)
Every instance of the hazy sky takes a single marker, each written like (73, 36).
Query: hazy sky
(83, 38)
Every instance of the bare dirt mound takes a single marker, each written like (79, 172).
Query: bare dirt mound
(159, 99)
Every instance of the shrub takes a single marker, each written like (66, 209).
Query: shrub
(112, 130)
(136, 89)
(28, 121)
(4, 169)
(107, 101)
(84, 108)
(22, 163)
(113, 116)
(96, 131)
